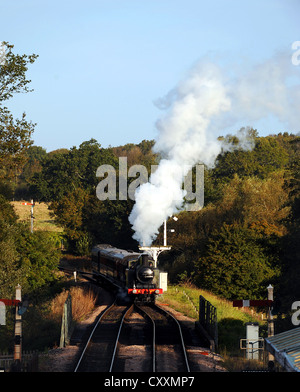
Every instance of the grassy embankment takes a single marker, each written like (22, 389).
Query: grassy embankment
(231, 321)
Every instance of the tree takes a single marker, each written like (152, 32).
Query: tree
(252, 200)
(15, 134)
(250, 212)
(15, 138)
(34, 155)
(38, 256)
(25, 258)
(13, 73)
(237, 263)
(289, 284)
(68, 212)
(10, 271)
(107, 221)
(29, 259)
(138, 154)
(267, 156)
(65, 172)
(68, 180)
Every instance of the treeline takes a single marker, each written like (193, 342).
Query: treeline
(66, 179)
(247, 234)
(244, 238)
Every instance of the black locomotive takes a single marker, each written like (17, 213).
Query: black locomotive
(132, 274)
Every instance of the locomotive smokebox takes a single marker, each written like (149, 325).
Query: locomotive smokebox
(145, 274)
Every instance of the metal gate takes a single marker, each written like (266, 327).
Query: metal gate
(208, 319)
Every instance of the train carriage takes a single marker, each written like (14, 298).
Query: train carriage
(131, 272)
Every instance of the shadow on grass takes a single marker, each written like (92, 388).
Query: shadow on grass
(230, 331)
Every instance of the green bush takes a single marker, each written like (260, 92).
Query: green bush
(238, 263)
(39, 256)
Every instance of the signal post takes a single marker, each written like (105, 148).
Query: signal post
(31, 214)
(18, 331)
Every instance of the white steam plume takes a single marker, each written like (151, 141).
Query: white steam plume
(207, 102)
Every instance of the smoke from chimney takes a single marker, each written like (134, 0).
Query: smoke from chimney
(207, 102)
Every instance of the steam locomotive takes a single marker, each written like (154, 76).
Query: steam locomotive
(132, 274)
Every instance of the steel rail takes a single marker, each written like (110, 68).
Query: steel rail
(153, 347)
(128, 311)
(153, 337)
(90, 337)
(181, 337)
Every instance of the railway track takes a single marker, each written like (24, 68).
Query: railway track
(168, 347)
(134, 338)
(100, 349)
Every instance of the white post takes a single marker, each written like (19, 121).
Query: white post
(32, 205)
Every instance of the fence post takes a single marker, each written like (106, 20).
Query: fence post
(67, 322)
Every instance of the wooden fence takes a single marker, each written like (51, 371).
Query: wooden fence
(29, 362)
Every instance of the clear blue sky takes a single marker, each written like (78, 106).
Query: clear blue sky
(103, 63)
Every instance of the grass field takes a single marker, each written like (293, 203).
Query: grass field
(42, 219)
